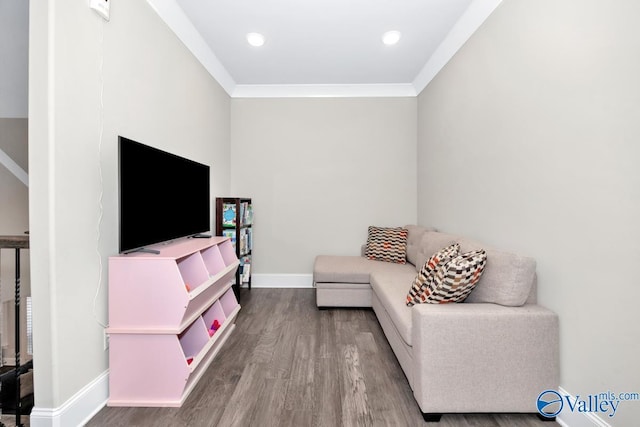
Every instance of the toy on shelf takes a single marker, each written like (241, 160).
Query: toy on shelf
(187, 287)
(189, 360)
(214, 327)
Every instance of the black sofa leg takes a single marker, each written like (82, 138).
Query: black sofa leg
(543, 418)
(431, 418)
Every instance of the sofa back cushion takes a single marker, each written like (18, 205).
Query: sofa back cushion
(414, 239)
(432, 242)
(507, 279)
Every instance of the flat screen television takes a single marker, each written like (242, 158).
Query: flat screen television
(162, 196)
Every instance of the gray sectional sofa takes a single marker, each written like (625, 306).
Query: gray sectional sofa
(495, 352)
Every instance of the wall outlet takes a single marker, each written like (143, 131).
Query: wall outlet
(106, 339)
(100, 6)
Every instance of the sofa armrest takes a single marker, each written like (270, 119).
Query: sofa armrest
(483, 357)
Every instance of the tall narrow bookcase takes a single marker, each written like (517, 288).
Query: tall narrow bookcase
(169, 315)
(234, 219)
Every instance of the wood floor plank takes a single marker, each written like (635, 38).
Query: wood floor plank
(240, 405)
(327, 404)
(326, 332)
(366, 344)
(280, 366)
(355, 406)
(297, 418)
(269, 409)
(300, 393)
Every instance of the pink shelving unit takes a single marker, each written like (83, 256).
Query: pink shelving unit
(161, 309)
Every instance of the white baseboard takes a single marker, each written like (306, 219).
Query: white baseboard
(282, 280)
(578, 419)
(76, 411)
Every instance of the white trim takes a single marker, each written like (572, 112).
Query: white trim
(173, 15)
(325, 91)
(14, 168)
(475, 15)
(78, 410)
(578, 419)
(282, 280)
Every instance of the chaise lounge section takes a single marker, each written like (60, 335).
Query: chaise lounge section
(495, 352)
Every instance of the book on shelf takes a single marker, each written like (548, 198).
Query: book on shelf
(229, 215)
(248, 216)
(246, 273)
(243, 241)
(232, 235)
(249, 239)
(245, 269)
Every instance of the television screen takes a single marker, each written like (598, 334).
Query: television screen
(162, 196)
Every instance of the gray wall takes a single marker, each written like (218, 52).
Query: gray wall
(154, 91)
(14, 51)
(319, 172)
(14, 220)
(528, 140)
(14, 209)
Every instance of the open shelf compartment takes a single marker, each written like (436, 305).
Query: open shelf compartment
(213, 260)
(193, 339)
(229, 302)
(193, 271)
(228, 252)
(214, 313)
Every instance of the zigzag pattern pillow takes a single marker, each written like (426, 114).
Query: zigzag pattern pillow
(455, 280)
(387, 244)
(417, 293)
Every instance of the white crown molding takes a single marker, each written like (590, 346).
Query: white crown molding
(173, 15)
(324, 91)
(475, 15)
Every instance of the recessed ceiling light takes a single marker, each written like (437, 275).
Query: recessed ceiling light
(391, 37)
(255, 39)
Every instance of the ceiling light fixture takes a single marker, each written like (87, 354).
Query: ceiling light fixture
(255, 39)
(391, 37)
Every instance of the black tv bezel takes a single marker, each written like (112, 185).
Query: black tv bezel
(164, 236)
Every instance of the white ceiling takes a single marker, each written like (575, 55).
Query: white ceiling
(323, 47)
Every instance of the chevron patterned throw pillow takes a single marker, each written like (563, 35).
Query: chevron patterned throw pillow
(420, 287)
(387, 244)
(454, 280)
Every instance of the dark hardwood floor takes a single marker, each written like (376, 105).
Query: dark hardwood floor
(289, 364)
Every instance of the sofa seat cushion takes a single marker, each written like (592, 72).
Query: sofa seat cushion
(351, 269)
(391, 290)
(341, 269)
